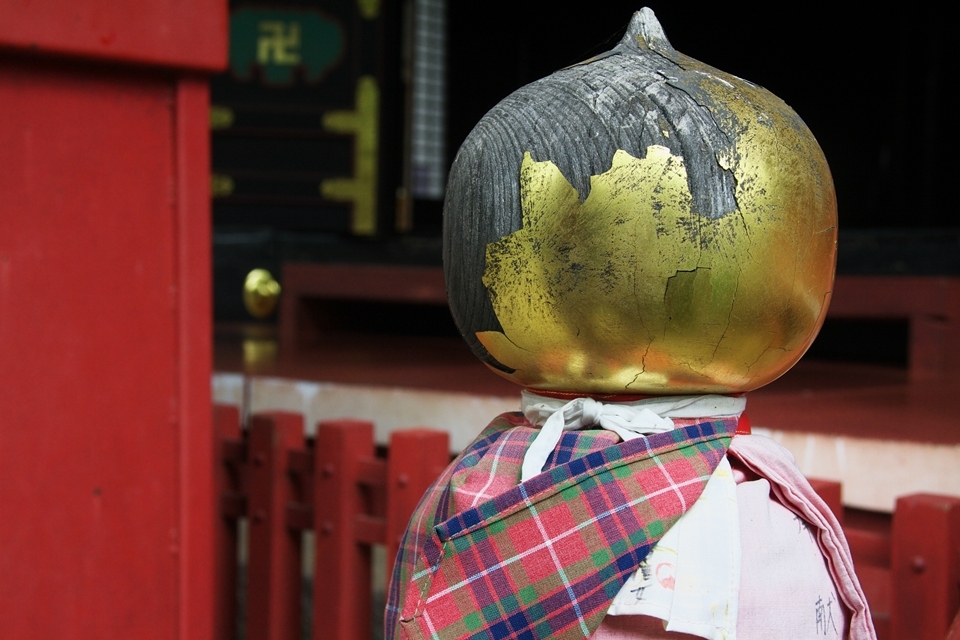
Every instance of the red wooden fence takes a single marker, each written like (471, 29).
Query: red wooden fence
(338, 487)
(908, 563)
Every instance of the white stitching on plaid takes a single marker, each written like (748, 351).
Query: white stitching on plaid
(666, 474)
(556, 563)
(492, 472)
(433, 632)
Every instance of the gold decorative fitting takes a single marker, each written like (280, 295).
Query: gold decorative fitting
(361, 189)
(259, 351)
(221, 117)
(369, 9)
(221, 185)
(403, 221)
(261, 293)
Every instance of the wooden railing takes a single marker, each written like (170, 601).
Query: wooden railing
(908, 563)
(930, 304)
(336, 486)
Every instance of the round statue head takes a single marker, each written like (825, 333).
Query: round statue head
(640, 223)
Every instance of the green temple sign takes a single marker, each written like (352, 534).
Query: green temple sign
(279, 41)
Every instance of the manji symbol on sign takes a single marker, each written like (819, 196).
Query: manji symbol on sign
(279, 41)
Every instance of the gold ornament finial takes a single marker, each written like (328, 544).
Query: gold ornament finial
(666, 228)
(261, 293)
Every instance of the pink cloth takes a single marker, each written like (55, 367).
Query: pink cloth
(797, 578)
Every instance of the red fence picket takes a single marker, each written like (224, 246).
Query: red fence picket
(361, 500)
(417, 458)
(345, 469)
(273, 570)
(925, 566)
(232, 504)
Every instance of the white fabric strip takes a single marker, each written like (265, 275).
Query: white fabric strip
(691, 578)
(627, 419)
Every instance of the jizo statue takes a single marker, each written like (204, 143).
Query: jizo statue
(638, 240)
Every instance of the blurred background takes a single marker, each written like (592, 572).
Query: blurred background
(874, 86)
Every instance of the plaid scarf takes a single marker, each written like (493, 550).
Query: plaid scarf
(485, 557)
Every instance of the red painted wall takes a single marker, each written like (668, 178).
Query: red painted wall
(106, 504)
(187, 34)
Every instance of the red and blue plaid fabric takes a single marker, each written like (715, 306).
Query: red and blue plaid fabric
(485, 557)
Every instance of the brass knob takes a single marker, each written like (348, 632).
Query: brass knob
(261, 292)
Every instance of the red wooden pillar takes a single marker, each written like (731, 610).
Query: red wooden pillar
(106, 448)
(273, 571)
(925, 566)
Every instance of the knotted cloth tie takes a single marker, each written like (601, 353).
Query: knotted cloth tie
(628, 420)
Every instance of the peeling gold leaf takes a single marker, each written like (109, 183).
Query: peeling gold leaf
(631, 291)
